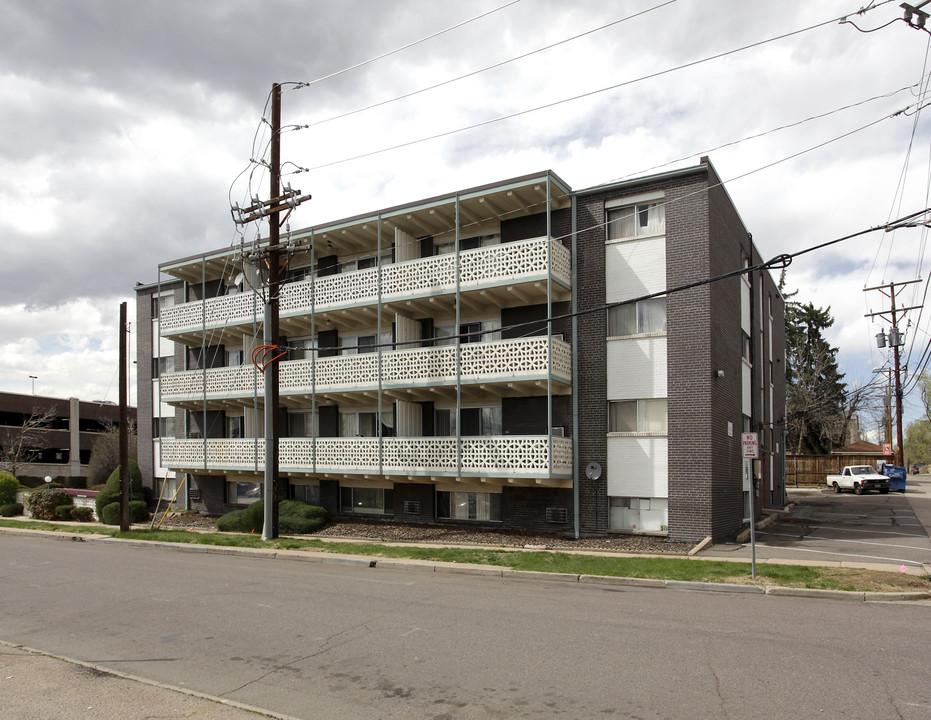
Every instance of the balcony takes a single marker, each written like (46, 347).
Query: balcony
(497, 266)
(516, 362)
(524, 457)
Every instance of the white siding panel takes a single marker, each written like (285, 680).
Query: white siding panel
(638, 467)
(634, 268)
(636, 368)
(745, 306)
(746, 388)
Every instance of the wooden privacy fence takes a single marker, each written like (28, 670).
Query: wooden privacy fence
(812, 469)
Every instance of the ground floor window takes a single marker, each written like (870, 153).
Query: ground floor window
(468, 506)
(168, 487)
(309, 494)
(639, 514)
(366, 500)
(243, 493)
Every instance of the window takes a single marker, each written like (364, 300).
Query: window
(363, 263)
(637, 220)
(162, 365)
(168, 487)
(307, 493)
(234, 426)
(303, 424)
(639, 514)
(365, 424)
(468, 506)
(161, 301)
(243, 493)
(234, 358)
(366, 500)
(472, 332)
(647, 316)
(637, 416)
(353, 344)
(474, 422)
(163, 427)
(301, 349)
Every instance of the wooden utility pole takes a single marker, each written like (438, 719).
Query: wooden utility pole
(124, 428)
(271, 332)
(895, 340)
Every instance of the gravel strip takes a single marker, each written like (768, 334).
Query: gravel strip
(381, 531)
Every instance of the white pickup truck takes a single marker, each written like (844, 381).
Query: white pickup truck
(858, 478)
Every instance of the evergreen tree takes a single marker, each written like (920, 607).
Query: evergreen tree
(815, 392)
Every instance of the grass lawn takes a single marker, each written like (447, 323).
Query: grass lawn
(540, 561)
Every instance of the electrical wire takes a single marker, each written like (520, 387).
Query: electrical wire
(486, 68)
(405, 47)
(581, 96)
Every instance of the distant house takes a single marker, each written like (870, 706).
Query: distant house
(861, 447)
(61, 448)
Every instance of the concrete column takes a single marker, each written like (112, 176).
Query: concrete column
(74, 426)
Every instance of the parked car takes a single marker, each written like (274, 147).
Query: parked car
(860, 479)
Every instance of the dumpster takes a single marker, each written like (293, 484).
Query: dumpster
(896, 476)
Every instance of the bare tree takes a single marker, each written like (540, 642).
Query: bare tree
(105, 453)
(23, 444)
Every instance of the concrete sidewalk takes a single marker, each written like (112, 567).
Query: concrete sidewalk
(37, 686)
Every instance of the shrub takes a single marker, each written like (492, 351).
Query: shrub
(9, 486)
(63, 512)
(232, 522)
(111, 491)
(78, 483)
(11, 509)
(110, 515)
(294, 518)
(42, 503)
(82, 514)
(138, 512)
(299, 518)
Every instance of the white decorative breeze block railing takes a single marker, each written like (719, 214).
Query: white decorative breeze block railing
(499, 456)
(483, 267)
(501, 361)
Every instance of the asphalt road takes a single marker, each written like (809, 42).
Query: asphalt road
(326, 641)
(870, 530)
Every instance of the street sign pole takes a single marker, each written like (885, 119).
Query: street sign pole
(751, 451)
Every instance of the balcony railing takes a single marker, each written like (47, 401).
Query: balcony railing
(507, 263)
(499, 361)
(517, 456)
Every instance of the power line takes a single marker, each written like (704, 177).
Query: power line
(486, 68)
(581, 96)
(403, 47)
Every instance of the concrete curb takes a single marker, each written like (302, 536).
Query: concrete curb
(485, 570)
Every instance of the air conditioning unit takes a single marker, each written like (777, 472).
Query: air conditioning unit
(412, 507)
(557, 515)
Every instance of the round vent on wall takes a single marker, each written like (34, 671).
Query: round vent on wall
(593, 470)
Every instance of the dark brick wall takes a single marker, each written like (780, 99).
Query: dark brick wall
(590, 359)
(145, 403)
(524, 508)
(704, 238)
(422, 493)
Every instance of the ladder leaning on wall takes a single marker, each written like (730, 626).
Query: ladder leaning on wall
(170, 502)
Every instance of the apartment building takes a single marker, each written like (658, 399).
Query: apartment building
(473, 358)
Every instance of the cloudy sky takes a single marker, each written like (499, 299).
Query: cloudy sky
(126, 125)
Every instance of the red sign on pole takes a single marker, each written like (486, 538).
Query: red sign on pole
(887, 448)
(751, 445)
